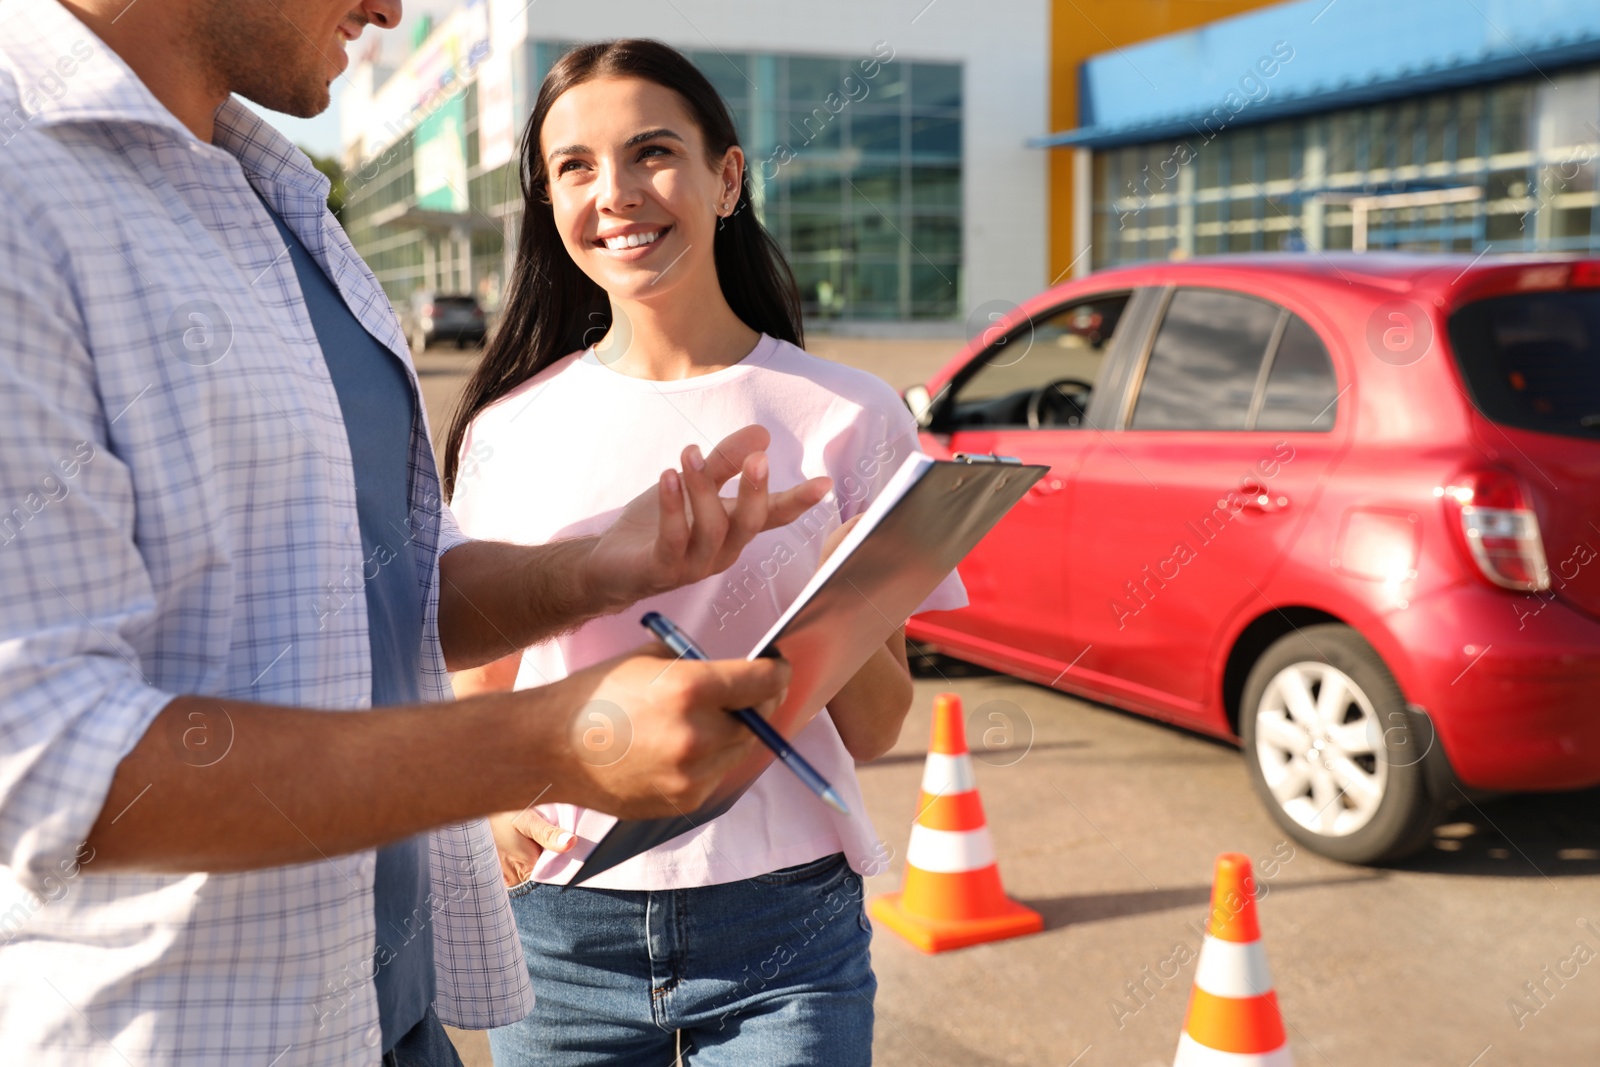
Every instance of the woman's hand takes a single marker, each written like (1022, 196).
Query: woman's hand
(682, 531)
(497, 677)
(834, 539)
(520, 837)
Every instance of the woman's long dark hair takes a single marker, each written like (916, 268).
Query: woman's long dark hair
(552, 308)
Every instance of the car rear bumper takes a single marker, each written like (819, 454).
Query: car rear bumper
(453, 333)
(1515, 698)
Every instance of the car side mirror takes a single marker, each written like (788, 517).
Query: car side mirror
(920, 402)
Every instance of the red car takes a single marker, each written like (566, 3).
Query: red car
(1342, 509)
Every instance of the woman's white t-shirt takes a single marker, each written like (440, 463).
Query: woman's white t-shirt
(558, 456)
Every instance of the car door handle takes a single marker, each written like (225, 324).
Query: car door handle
(1045, 486)
(1264, 503)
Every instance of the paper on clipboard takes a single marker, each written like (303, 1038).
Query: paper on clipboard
(927, 517)
(904, 477)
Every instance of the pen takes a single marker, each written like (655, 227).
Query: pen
(684, 646)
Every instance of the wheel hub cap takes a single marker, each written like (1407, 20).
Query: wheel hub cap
(1320, 748)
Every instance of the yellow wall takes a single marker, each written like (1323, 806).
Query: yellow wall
(1083, 28)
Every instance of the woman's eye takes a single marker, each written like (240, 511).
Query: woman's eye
(648, 149)
(567, 164)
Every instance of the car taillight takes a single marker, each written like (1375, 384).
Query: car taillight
(1501, 530)
(427, 311)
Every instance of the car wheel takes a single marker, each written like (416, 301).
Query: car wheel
(1332, 749)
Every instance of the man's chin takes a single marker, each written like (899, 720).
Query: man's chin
(303, 102)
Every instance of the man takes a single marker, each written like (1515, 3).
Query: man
(219, 525)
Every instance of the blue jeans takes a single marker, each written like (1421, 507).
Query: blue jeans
(769, 972)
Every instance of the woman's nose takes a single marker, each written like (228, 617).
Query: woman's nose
(616, 188)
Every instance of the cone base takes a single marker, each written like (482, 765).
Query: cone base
(1192, 1053)
(934, 935)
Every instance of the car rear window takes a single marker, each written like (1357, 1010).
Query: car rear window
(1533, 360)
(455, 303)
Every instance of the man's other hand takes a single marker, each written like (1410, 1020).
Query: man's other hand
(682, 530)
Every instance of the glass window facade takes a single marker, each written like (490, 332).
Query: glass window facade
(1506, 167)
(855, 165)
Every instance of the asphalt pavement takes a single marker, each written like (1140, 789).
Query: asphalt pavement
(1109, 824)
(1482, 951)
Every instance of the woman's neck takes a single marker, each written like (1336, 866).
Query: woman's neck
(674, 338)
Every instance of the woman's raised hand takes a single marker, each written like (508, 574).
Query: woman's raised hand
(682, 530)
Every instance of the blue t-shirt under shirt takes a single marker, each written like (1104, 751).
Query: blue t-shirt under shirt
(378, 404)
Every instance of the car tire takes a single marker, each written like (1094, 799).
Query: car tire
(1332, 749)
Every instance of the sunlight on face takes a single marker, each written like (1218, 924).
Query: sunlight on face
(635, 199)
(285, 55)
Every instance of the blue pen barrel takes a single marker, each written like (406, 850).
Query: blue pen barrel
(682, 645)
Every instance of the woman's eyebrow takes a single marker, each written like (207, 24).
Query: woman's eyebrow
(638, 138)
(650, 135)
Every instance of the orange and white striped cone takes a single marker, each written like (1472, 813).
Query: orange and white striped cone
(1233, 1018)
(952, 895)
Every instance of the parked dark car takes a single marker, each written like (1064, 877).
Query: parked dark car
(436, 318)
(1343, 510)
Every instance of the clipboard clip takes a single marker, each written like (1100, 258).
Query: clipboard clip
(967, 457)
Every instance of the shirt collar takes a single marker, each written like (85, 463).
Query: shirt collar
(282, 173)
(43, 40)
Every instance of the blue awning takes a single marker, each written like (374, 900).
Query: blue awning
(1316, 55)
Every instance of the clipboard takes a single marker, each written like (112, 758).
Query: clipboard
(926, 519)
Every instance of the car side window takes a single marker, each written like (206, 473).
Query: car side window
(1040, 375)
(1302, 393)
(1203, 368)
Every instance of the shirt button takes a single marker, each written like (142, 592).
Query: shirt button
(351, 530)
(369, 865)
(374, 1035)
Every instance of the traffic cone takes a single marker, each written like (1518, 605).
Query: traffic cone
(1233, 1018)
(952, 896)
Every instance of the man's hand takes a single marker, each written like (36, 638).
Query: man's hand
(679, 737)
(641, 736)
(681, 530)
(650, 736)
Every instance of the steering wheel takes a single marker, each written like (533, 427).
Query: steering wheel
(1064, 396)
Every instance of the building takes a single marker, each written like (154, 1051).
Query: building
(1464, 125)
(860, 119)
(999, 148)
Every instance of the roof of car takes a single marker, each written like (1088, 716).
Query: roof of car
(1388, 271)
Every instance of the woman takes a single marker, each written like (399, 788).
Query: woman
(649, 306)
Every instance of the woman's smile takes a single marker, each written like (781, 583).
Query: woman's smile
(628, 244)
